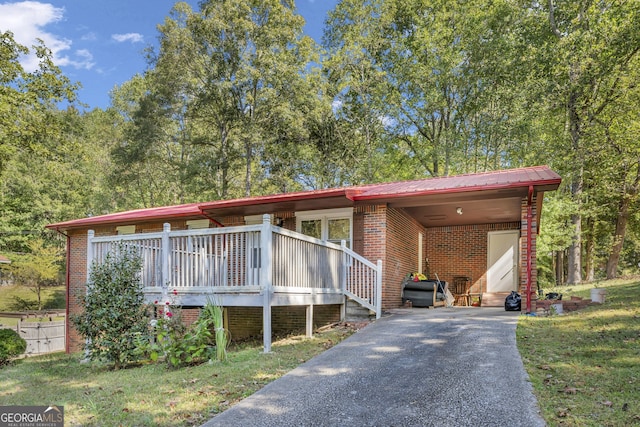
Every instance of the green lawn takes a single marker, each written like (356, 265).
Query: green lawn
(585, 365)
(153, 395)
(52, 298)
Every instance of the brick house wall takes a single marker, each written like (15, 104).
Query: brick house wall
(402, 254)
(390, 235)
(77, 278)
(461, 251)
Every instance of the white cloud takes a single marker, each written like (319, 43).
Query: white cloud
(82, 59)
(90, 36)
(129, 37)
(27, 21)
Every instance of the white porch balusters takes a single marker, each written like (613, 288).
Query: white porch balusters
(266, 278)
(379, 290)
(90, 235)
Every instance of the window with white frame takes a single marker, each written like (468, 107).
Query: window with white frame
(332, 225)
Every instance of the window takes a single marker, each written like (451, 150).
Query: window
(332, 225)
(195, 224)
(255, 219)
(126, 229)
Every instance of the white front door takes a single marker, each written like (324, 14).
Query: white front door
(502, 267)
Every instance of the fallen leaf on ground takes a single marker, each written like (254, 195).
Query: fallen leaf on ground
(569, 390)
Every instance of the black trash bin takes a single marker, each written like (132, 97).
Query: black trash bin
(513, 302)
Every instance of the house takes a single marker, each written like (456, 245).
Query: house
(288, 261)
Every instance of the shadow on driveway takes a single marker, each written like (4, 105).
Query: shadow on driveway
(416, 367)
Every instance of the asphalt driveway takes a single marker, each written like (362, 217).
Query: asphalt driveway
(417, 367)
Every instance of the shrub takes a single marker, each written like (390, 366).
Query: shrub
(115, 315)
(182, 346)
(11, 345)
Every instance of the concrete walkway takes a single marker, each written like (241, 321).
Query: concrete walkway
(415, 367)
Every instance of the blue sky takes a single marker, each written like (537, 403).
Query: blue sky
(100, 43)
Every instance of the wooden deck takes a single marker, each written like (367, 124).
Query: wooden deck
(255, 265)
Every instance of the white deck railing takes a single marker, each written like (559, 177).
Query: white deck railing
(254, 258)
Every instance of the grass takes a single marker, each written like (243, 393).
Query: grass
(152, 395)
(585, 366)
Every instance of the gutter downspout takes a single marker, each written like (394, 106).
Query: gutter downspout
(529, 245)
(215, 221)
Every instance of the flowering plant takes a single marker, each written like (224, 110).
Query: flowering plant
(180, 345)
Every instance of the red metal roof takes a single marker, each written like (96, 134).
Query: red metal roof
(502, 179)
(541, 177)
(177, 211)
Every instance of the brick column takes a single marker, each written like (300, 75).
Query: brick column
(76, 285)
(374, 244)
(523, 249)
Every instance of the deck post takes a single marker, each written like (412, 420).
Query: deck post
(266, 278)
(90, 235)
(166, 258)
(379, 290)
(343, 280)
(310, 321)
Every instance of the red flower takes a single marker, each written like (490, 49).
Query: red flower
(175, 292)
(167, 303)
(169, 314)
(155, 302)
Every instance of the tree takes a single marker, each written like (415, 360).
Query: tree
(434, 85)
(37, 269)
(226, 88)
(28, 100)
(584, 52)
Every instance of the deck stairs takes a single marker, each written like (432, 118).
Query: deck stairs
(357, 313)
(494, 299)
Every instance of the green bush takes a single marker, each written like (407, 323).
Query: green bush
(180, 345)
(11, 345)
(115, 315)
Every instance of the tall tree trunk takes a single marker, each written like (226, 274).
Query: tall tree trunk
(249, 158)
(559, 268)
(574, 258)
(618, 239)
(590, 247)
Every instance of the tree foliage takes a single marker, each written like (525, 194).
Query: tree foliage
(28, 100)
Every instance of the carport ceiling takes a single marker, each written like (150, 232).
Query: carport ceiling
(481, 207)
